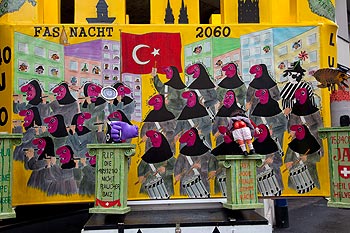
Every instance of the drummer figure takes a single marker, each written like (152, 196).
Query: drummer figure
(242, 131)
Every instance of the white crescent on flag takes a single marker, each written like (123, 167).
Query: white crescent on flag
(134, 56)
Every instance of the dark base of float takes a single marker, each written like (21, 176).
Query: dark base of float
(46, 218)
(211, 220)
(281, 213)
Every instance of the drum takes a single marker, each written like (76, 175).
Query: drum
(301, 178)
(195, 188)
(156, 189)
(268, 184)
(222, 184)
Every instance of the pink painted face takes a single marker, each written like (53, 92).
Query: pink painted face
(123, 90)
(155, 137)
(168, 72)
(156, 101)
(299, 131)
(263, 133)
(40, 144)
(230, 70)
(115, 115)
(191, 98)
(60, 92)
(257, 70)
(52, 123)
(64, 153)
(81, 119)
(28, 117)
(263, 95)
(189, 137)
(193, 70)
(93, 91)
(30, 91)
(301, 95)
(229, 99)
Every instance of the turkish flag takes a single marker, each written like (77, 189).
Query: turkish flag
(344, 171)
(157, 49)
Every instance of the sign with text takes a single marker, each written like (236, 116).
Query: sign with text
(6, 149)
(111, 177)
(241, 180)
(338, 139)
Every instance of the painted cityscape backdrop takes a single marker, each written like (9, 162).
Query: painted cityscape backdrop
(184, 95)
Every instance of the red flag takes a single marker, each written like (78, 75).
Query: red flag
(344, 171)
(142, 52)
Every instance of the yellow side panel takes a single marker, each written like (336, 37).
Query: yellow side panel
(6, 81)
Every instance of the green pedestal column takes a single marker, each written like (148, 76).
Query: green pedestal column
(7, 142)
(111, 193)
(338, 140)
(241, 181)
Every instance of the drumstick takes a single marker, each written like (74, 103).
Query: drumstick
(296, 161)
(216, 171)
(187, 171)
(147, 174)
(264, 163)
(183, 171)
(154, 174)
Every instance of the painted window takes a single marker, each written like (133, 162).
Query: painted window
(266, 36)
(106, 56)
(283, 50)
(256, 51)
(256, 39)
(207, 47)
(53, 55)
(73, 65)
(245, 41)
(207, 62)
(115, 47)
(188, 51)
(23, 47)
(312, 39)
(313, 56)
(39, 51)
(246, 53)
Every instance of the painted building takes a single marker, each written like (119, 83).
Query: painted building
(256, 48)
(305, 44)
(37, 59)
(210, 51)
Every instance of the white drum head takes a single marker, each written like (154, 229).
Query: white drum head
(109, 93)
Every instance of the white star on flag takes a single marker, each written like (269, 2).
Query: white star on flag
(155, 52)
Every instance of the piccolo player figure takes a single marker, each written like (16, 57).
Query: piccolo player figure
(242, 131)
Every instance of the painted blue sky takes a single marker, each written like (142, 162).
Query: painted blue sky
(280, 35)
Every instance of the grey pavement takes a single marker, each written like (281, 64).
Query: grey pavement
(311, 215)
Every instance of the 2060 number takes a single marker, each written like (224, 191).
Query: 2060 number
(216, 32)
